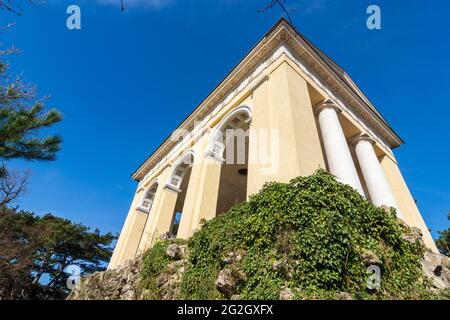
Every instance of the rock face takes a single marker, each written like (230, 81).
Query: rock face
(370, 257)
(168, 283)
(436, 268)
(345, 296)
(286, 294)
(414, 235)
(227, 282)
(123, 283)
(174, 251)
(117, 284)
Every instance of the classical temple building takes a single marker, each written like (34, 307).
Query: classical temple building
(293, 111)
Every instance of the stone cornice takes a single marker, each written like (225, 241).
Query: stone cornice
(281, 40)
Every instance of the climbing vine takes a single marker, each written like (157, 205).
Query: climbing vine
(313, 236)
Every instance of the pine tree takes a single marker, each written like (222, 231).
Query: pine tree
(36, 247)
(443, 242)
(22, 116)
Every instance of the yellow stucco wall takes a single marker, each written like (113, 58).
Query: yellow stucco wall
(150, 226)
(405, 200)
(118, 255)
(282, 103)
(203, 188)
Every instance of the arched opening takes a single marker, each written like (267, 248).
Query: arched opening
(230, 145)
(178, 182)
(143, 213)
(147, 200)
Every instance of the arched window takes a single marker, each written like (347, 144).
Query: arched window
(229, 145)
(178, 182)
(180, 169)
(239, 118)
(149, 196)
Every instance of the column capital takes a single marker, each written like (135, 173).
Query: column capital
(326, 104)
(360, 137)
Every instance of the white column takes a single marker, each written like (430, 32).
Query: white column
(339, 159)
(379, 190)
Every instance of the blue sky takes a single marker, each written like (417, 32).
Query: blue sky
(126, 80)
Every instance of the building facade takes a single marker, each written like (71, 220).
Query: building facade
(284, 111)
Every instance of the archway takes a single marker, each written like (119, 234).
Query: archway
(178, 182)
(143, 208)
(230, 145)
(147, 200)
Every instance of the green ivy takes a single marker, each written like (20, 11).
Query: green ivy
(154, 263)
(308, 235)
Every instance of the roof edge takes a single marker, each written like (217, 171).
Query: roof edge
(332, 66)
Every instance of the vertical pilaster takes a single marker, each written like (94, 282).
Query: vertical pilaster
(405, 200)
(283, 112)
(190, 201)
(208, 192)
(148, 232)
(166, 211)
(202, 193)
(116, 258)
(131, 244)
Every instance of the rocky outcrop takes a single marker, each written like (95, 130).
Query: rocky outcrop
(414, 235)
(123, 283)
(174, 251)
(370, 257)
(168, 283)
(286, 294)
(345, 296)
(436, 268)
(227, 282)
(117, 284)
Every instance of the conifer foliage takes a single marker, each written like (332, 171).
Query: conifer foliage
(35, 254)
(22, 116)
